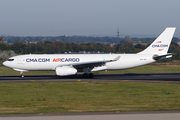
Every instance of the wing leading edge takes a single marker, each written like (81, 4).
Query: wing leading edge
(91, 64)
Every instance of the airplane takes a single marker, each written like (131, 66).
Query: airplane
(70, 64)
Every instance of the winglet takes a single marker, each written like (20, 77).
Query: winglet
(117, 58)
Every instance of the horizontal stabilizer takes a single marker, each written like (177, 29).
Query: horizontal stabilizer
(157, 57)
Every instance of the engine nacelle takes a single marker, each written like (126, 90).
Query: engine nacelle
(65, 70)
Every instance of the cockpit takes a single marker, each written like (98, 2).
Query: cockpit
(10, 59)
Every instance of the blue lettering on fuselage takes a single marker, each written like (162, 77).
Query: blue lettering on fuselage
(54, 60)
(71, 60)
(62, 60)
(38, 60)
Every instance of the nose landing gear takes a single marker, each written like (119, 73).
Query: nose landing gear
(22, 75)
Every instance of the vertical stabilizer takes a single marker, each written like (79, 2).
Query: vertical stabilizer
(161, 45)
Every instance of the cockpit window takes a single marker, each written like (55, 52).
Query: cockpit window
(10, 59)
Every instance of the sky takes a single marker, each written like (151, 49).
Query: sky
(88, 17)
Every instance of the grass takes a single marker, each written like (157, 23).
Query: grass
(60, 97)
(142, 69)
(147, 69)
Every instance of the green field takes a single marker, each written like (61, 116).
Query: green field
(142, 69)
(60, 97)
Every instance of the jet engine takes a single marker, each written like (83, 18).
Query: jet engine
(65, 70)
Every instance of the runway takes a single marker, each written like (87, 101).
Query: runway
(172, 78)
(139, 115)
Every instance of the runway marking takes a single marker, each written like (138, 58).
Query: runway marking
(124, 80)
(33, 80)
(79, 80)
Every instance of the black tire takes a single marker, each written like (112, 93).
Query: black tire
(85, 75)
(90, 75)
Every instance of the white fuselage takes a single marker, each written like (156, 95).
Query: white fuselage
(70, 64)
(51, 61)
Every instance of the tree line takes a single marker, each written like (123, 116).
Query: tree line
(64, 39)
(79, 39)
(60, 47)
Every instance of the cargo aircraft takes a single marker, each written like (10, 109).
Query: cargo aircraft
(70, 64)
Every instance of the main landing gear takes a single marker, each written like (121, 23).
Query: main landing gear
(88, 75)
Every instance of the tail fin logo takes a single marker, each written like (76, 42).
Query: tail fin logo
(162, 43)
(161, 49)
(159, 45)
(159, 42)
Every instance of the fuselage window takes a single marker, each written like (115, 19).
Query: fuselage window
(10, 59)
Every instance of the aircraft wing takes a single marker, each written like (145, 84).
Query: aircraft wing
(91, 64)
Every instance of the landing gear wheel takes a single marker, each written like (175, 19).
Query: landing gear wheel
(22, 74)
(90, 75)
(85, 75)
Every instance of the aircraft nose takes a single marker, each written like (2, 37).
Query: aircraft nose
(5, 63)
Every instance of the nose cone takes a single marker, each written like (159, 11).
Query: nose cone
(5, 63)
(8, 64)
